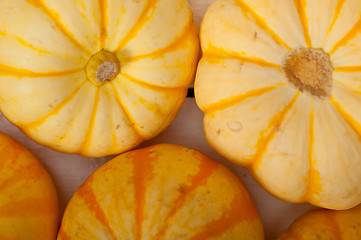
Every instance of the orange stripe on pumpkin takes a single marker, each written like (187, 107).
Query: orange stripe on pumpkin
(20, 72)
(206, 169)
(24, 43)
(228, 102)
(142, 169)
(62, 235)
(89, 135)
(145, 17)
(314, 185)
(29, 207)
(300, 7)
(40, 5)
(262, 23)
(238, 212)
(275, 122)
(88, 195)
(338, 8)
(103, 7)
(126, 112)
(171, 47)
(348, 69)
(348, 37)
(55, 110)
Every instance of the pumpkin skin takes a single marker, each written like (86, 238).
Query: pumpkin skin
(53, 87)
(29, 208)
(326, 224)
(300, 142)
(161, 192)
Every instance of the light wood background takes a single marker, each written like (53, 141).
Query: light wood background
(70, 171)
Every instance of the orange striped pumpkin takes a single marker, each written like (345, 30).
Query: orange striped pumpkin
(325, 224)
(95, 77)
(279, 83)
(161, 192)
(29, 208)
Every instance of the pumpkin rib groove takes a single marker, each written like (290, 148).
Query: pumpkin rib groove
(348, 69)
(334, 227)
(299, 4)
(227, 221)
(126, 112)
(348, 118)
(89, 135)
(338, 8)
(348, 37)
(62, 235)
(41, 5)
(200, 178)
(103, 25)
(20, 72)
(312, 172)
(143, 19)
(261, 23)
(161, 51)
(88, 195)
(222, 54)
(24, 43)
(276, 121)
(150, 86)
(228, 102)
(55, 110)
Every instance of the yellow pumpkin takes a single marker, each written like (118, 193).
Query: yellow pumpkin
(29, 208)
(95, 77)
(325, 224)
(279, 83)
(161, 192)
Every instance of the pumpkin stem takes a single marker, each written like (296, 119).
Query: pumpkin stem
(102, 67)
(309, 70)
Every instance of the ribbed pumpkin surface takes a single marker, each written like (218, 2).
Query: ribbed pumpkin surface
(29, 207)
(161, 192)
(326, 224)
(279, 83)
(51, 52)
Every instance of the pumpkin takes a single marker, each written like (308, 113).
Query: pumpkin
(161, 192)
(326, 224)
(279, 85)
(95, 77)
(29, 208)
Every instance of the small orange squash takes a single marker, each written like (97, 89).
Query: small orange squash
(325, 225)
(29, 208)
(95, 77)
(161, 192)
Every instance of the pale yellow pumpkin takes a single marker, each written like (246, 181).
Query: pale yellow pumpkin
(95, 77)
(161, 192)
(29, 208)
(325, 224)
(279, 83)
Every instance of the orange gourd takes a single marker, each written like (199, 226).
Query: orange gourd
(161, 192)
(29, 208)
(325, 224)
(279, 85)
(95, 77)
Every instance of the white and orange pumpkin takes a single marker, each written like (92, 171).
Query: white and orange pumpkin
(161, 192)
(29, 208)
(279, 83)
(95, 77)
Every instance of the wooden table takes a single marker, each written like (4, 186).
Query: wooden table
(70, 171)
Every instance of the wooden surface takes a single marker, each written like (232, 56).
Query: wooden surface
(70, 171)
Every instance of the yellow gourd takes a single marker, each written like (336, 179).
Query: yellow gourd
(279, 83)
(29, 208)
(95, 77)
(161, 192)
(325, 225)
